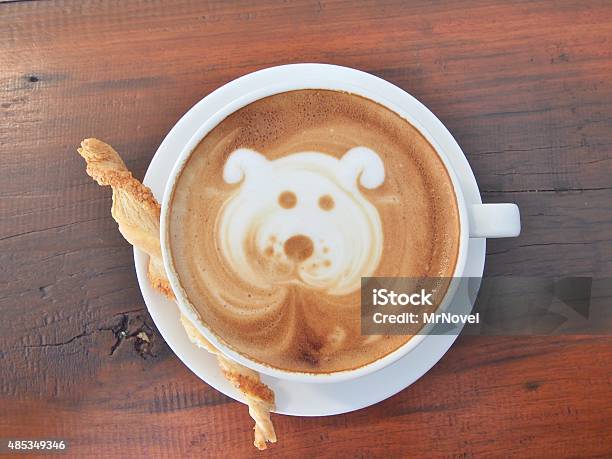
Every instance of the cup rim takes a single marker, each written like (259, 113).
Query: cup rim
(317, 78)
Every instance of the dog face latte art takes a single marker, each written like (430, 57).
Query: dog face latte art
(286, 204)
(301, 220)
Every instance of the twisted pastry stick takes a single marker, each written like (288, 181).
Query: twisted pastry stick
(137, 212)
(260, 397)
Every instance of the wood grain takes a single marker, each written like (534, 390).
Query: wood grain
(524, 87)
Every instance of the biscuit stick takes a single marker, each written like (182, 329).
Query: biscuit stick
(259, 396)
(137, 212)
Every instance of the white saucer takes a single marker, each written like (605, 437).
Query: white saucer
(300, 399)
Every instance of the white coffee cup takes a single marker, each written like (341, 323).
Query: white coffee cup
(476, 221)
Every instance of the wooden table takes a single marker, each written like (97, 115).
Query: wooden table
(524, 87)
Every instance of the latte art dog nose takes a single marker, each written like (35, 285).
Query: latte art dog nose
(299, 247)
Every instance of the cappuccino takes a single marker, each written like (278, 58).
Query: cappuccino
(286, 204)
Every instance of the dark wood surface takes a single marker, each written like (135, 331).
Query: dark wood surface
(524, 87)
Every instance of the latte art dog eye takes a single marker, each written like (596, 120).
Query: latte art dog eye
(326, 202)
(287, 200)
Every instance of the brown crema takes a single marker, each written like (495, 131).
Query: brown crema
(289, 325)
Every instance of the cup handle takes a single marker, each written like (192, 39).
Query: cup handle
(494, 220)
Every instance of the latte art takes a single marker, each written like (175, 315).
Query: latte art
(286, 204)
(301, 219)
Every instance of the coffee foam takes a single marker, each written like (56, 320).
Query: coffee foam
(286, 204)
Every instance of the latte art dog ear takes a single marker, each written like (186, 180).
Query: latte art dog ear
(365, 164)
(240, 163)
